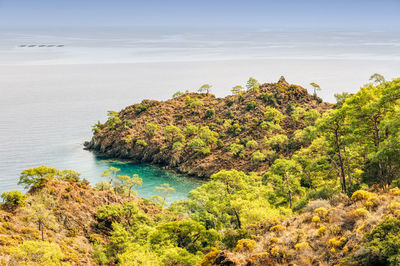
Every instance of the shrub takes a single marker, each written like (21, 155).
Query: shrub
(38, 251)
(333, 242)
(199, 146)
(113, 119)
(257, 157)
(321, 211)
(235, 128)
(277, 142)
(245, 245)
(128, 124)
(268, 98)
(229, 102)
(142, 108)
(209, 258)
(321, 230)
(302, 245)
(277, 228)
(95, 238)
(210, 113)
(151, 129)
(361, 212)
(251, 105)
(316, 219)
(362, 195)
(177, 145)
(301, 204)
(13, 199)
(273, 240)
(236, 149)
(190, 129)
(141, 142)
(252, 144)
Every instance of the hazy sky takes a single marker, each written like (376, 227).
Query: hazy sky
(378, 14)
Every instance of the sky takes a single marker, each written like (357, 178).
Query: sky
(374, 14)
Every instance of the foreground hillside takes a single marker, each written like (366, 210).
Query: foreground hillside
(198, 134)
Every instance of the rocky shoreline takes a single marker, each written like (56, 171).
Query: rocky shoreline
(235, 120)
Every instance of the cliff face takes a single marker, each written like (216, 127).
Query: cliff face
(237, 119)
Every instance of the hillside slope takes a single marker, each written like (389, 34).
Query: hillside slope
(199, 134)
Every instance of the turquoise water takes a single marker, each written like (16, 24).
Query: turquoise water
(51, 133)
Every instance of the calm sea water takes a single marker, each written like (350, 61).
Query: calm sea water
(49, 97)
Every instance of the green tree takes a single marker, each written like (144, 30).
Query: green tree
(129, 183)
(237, 89)
(377, 79)
(173, 133)
(205, 88)
(252, 84)
(316, 88)
(36, 177)
(165, 190)
(40, 212)
(284, 177)
(111, 174)
(151, 130)
(187, 234)
(13, 199)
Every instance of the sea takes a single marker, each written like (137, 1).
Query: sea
(55, 83)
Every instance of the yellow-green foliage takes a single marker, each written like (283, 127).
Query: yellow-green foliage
(359, 229)
(141, 142)
(273, 240)
(245, 245)
(37, 251)
(277, 228)
(275, 251)
(127, 139)
(362, 195)
(322, 212)
(395, 191)
(95, 238)
(333, 242)
(321, 230)
(301, 245)
(394, 205)
(361, 212)
(316, 219)
(30, 233)
(8, 226)
(209, 258)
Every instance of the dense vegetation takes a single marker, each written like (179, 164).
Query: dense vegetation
(296, 181)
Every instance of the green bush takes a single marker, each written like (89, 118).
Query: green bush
(141, 142)
(141, 108)
(236, 149)
(382, 246)
(199, 146)
(13, 199)
(251, 105)
(268, 98)
(252, 145)
(210, 113)
(190, 129)
(229, 102)
(151, 129)
(257, 157)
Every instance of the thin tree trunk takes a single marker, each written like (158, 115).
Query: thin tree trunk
(343, 177)
(237, 219)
